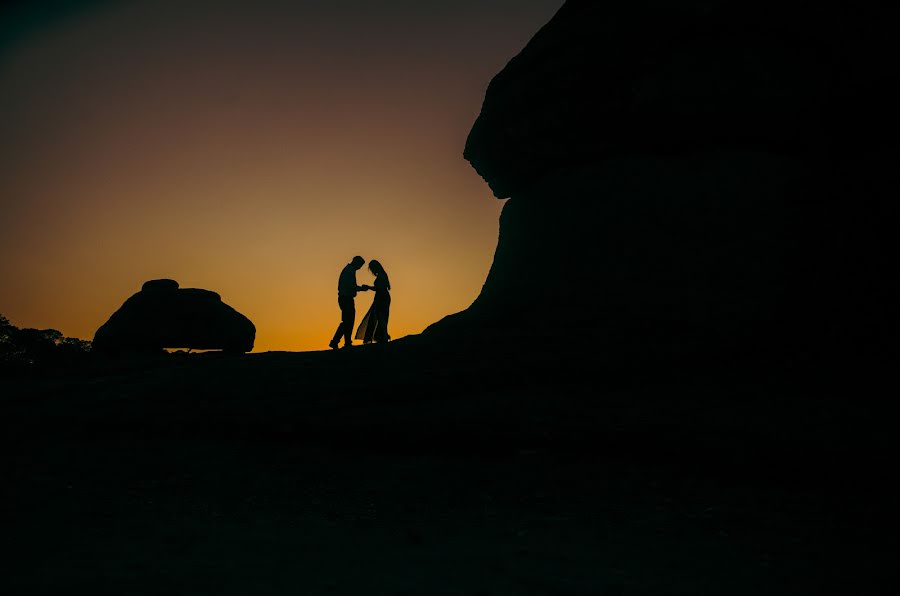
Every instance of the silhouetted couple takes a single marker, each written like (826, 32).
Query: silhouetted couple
(374, 325)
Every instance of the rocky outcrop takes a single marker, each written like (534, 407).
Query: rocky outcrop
(692, 179)
(163, 316)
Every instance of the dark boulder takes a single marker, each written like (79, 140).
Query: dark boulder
(675, 76)
(160, 284)
(701, 181)
(163, 316)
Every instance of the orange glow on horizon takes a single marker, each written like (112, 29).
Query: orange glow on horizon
(251, 150)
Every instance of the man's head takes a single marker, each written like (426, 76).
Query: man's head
(358, 262)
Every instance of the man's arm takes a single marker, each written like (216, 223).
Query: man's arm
(358, 287)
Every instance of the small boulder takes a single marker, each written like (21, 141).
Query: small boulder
(160, 284)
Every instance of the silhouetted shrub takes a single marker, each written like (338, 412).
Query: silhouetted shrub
(25, 348)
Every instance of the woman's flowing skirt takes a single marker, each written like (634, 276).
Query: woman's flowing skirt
(366, 328)
(374, 324)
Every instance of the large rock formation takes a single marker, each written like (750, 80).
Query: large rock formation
(692, 179)
(163, 316)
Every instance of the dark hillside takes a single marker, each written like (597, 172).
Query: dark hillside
(280, 472)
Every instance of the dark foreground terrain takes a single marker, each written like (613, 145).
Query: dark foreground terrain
(402, 469)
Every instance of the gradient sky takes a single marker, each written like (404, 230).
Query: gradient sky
(250, 148)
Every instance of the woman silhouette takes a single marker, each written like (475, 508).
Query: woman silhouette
(375, 323)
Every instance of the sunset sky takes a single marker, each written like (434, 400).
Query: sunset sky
(247, 147)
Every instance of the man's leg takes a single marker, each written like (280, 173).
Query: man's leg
(340, 328)
(348, 318)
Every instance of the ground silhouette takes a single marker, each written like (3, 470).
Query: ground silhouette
(414, 467)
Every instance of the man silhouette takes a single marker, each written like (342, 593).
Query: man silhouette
(347, 290)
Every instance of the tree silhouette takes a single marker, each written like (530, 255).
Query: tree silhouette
(38, 347)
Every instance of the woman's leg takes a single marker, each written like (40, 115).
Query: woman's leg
(383, 312)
